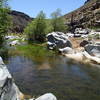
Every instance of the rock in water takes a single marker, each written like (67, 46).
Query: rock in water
(58, 40)
(93, 50)
(48, 96)
(8, 89)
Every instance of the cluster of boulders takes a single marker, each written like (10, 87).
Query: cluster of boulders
(61, 42)
(84, 33)
(9, 90)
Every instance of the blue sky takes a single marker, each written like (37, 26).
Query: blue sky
(33, 7)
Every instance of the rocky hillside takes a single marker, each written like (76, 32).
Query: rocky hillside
(86, 16)
(20, 20)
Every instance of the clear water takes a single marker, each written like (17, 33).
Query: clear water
(64, 78)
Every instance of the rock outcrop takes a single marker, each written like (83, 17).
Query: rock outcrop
(86, 16)
(20, 21)
(58, 40)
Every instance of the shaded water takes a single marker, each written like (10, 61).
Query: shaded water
(67, 80)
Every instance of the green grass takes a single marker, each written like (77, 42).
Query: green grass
(35, 51)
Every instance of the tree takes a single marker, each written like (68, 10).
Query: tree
(5, 21)
(36, 30)
(58, 21)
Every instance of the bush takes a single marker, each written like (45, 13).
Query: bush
(5, 21)
(36, 30)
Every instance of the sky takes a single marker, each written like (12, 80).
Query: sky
(33, 7)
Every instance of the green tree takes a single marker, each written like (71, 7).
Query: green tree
(5, 21)
(58, 21)
(36, 30)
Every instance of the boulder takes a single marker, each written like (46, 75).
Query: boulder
(58, 40)
(93, 49)
(66, 50)
(83, 43)
(8, 89)
(48, 96)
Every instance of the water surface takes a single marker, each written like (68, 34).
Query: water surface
(66, 79)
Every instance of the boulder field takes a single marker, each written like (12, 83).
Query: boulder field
(60, 42)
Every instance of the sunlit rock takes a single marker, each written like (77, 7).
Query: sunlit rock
(58, 40)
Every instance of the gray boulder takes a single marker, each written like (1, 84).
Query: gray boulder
(58, 40)
(93, 49)
(8, 89)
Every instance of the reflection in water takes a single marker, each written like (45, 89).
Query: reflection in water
(66, 80)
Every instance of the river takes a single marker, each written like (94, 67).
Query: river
(66, 79)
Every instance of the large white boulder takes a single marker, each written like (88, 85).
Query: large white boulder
(58, 40)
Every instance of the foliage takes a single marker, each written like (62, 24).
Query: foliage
(36, 30)
(5, 21)
(58, 21)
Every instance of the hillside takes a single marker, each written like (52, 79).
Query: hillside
(20, 20)
(86, 16)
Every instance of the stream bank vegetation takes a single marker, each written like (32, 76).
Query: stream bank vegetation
(5, 25)
(40, 26)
